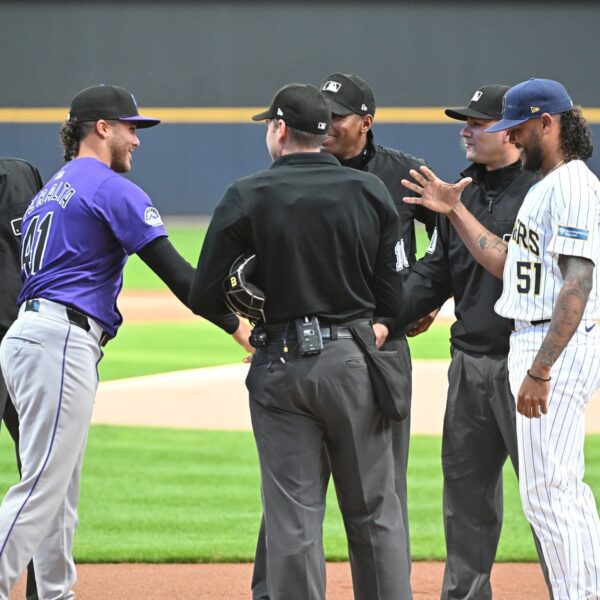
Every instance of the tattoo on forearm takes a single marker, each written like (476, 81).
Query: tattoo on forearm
(487, 240)
(569, 308)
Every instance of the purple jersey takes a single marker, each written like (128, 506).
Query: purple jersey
(77, 234)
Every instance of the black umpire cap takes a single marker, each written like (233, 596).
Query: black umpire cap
(486, 103)
(301, 106)
(348, 94)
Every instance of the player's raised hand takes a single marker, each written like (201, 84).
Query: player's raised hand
(435, 194)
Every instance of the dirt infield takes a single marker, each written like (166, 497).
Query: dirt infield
(186, 398)
(510, 581)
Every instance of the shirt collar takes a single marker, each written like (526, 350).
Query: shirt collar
(300, 158)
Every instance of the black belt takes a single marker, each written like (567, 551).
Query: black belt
(532, 323)
(335, 332)
(282, 332)
(75, 317)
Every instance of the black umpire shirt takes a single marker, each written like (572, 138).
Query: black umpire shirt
(19, 183)
(392, 166)
(448, 269)
(324, 237)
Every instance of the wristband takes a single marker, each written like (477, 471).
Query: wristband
(537, 378)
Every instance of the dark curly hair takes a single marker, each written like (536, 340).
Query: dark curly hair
(71, 134)
(575, 135)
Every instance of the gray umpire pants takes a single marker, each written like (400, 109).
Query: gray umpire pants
(479, 434)
(400, 447)
(310, 413)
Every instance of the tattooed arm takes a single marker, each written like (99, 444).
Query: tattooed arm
(577, 275)
(487, 249)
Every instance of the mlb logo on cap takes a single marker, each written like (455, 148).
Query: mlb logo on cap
(331, 86)
(348, 94)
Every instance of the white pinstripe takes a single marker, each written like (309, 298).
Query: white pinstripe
(560, 507)
(568, 197)
(559, 216)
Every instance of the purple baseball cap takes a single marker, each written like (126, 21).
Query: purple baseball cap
(108, 102)
(531, 99)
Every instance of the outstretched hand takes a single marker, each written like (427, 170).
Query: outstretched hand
(434, 194)
(423, 324)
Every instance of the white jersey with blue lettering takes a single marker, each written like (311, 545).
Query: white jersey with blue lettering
(560, 215)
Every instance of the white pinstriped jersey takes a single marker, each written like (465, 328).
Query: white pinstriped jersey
(560, 215)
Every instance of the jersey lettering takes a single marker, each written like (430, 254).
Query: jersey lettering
(526, 238)
(34, 244)
(401, 259)
(432, 242)
(529, 274)
(60, 192)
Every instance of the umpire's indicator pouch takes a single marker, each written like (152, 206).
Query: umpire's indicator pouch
(310, 340)
(389, 372)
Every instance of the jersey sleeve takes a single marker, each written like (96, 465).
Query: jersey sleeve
(427, 217)
(128, 211)
(574, 214)
(223, 244)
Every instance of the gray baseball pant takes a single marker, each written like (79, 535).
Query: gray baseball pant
(8, 414)
(50, 371)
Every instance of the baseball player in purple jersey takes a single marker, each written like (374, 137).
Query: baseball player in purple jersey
(551, 291)
(77, 234)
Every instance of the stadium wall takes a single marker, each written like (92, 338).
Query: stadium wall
(184, 56)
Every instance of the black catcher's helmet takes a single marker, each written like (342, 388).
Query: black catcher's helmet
(241, 296)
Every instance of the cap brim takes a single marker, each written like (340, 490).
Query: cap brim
(263, 116)
(337, 108)
(504, 124)
(462, 114)
(140, 121)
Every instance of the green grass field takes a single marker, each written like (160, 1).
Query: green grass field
(160, 495)
(175, 346)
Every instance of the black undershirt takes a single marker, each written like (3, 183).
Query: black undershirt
(162, 257)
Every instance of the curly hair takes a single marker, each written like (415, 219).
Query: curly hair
(575, 135)
(71, 134)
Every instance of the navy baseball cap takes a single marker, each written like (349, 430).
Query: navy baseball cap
(348, 94)
(531, 99)
(108, 102)
(301, 106)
